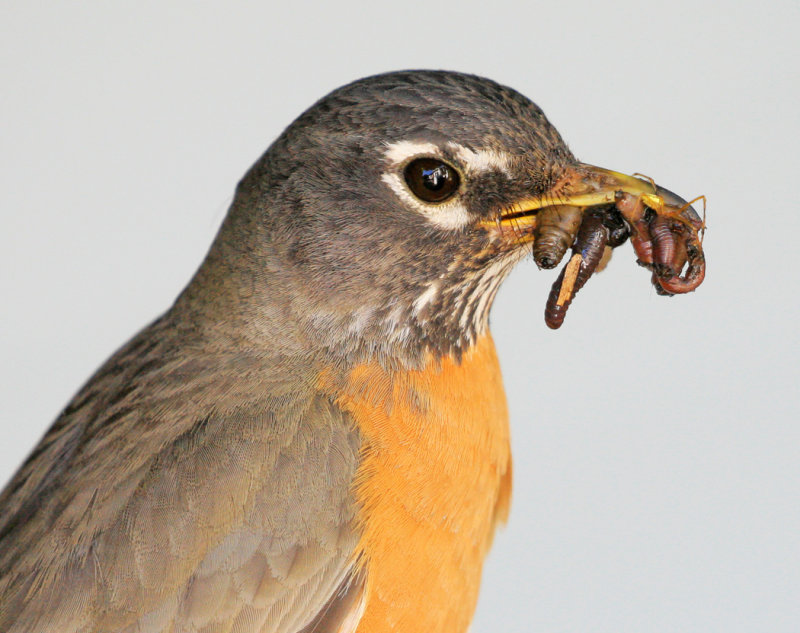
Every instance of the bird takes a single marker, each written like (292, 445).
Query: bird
(314, 437)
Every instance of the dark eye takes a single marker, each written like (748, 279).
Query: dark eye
(431, 180)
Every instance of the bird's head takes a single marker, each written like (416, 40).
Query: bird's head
(385, 217)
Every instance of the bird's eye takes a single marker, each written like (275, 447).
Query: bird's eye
(431, 180)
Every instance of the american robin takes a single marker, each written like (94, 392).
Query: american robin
(314, 437)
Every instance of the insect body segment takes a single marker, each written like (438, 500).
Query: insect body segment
(555, 230)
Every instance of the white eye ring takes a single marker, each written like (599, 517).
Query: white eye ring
(477, 161)
(450, 214)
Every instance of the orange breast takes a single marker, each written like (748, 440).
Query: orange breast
(433, 482)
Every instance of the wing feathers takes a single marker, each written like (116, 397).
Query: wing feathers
(182, 491)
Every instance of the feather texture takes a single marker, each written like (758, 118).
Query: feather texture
(181, 490)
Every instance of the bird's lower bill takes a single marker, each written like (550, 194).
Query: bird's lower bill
(593, 210)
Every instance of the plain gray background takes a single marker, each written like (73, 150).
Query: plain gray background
(656, 442)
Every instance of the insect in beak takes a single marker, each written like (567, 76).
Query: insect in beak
(592, 210)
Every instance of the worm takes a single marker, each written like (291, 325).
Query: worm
(555, 228)
(586, 254)
(675, 238)
(695, 271)
(662, 235)
(681, 256)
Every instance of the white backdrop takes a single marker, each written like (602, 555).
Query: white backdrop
(656, 441)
